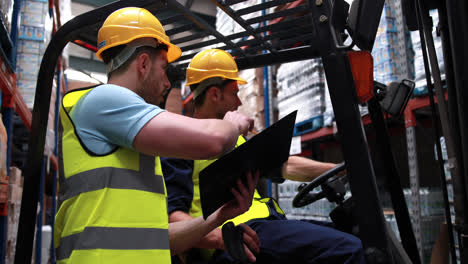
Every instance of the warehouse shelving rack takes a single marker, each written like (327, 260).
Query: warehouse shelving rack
(13, 102)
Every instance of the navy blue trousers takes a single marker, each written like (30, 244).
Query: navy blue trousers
(299, 241)
(306, 241)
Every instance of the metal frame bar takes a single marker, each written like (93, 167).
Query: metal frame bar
(272, 27)
(254, 45)
(172, 19)
(352, 137)
(302, 20)
(450, 81)
(282, 13)
(283, 56)
(425, 32)
(392, 180)
(180, 29)
(39, 222)
(202, 24)
(228, 10)
(458, 34)
(414, 183)
(190, 37)
(233, 2)
(14, 29)
(260, 7)
(197, 46)
(58, 90)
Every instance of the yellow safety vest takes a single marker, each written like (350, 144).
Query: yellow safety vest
(113, 206)
(258, 210)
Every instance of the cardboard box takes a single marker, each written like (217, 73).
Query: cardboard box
(34, 7)
(34, 19)
(15, 193)
(32, 33)
(15, 176)
(3, 193)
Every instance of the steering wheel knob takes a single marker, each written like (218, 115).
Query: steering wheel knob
(300, 187)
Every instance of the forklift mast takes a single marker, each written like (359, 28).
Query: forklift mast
(317, 25)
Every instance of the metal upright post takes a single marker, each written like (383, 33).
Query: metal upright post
(54, 180)
(443, 28)
(267, 95)
(392, 181)
(425, 28)
(8, 109)
(39, 221)
(352, 136)
(458, 35)
(14, 29)
(410, 123)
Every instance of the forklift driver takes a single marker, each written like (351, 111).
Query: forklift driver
(213, 78)
(113, 197)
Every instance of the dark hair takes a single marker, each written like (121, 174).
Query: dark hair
(109, 54)
(198, 102)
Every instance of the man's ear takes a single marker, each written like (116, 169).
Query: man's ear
(214, 93)
(143, 64)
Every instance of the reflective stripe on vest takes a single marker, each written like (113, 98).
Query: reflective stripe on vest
(113, 238)
(258, 210)
(115, 178)
(113, 207)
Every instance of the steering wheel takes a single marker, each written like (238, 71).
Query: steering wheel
(304, 197)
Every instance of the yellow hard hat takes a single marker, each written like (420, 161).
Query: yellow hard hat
(212, 63)
(131, 23)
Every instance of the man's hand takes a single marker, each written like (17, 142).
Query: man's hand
(251, 242)
(243, 195)
(242, 122)
(243, 200)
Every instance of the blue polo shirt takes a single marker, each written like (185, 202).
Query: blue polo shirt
(110, 116)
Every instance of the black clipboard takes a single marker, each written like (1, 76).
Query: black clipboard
(266, 151)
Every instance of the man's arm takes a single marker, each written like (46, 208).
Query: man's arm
(185, 234)
(173, 135)
(128, 121)
(178, 177)
(213, 240)
(304, 169)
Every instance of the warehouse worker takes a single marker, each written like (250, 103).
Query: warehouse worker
(113, 197)
(213, 78)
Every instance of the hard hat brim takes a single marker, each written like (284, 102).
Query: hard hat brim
(173, 51)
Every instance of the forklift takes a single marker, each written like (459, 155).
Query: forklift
(314, 29)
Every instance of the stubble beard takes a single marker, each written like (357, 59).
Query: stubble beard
(146, 92)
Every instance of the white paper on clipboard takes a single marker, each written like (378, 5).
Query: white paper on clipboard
(296, 147)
